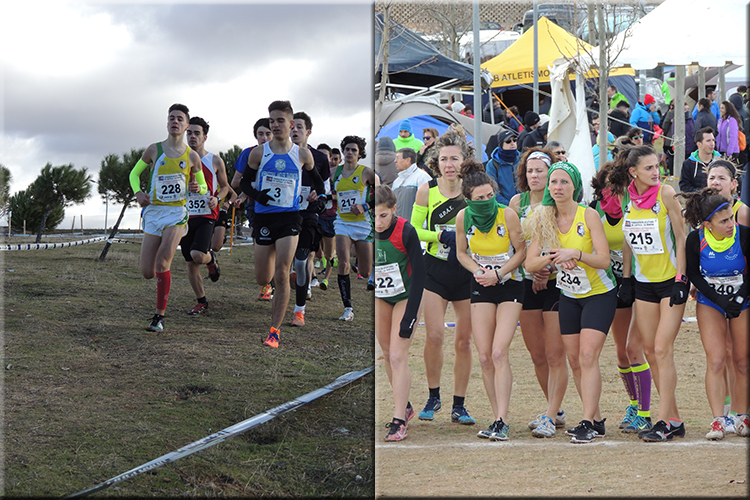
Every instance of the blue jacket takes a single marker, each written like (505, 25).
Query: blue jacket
(644, 119)
(504, 173)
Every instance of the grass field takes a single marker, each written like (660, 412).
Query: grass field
(440, 458)
(89, 394)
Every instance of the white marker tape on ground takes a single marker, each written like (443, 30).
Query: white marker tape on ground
(231, 431)
(546, 443)
(44, 246)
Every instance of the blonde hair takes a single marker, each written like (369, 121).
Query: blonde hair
(541, 226)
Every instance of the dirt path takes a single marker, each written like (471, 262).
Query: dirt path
(443, 459)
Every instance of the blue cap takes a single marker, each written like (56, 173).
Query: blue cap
(405, 125)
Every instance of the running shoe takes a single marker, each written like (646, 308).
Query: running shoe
(157, 324)
(348, 314)
(459, 415)
(370, 283)
(273, 338)
(308, 296)
(318, 261)
(396, 432)
(433, 406)
(323, 284)
(717, 431)
(409, 412)
(598, 426)
(535, 423)
(266, 292)
(213, 269)
(660, 432)
(729, 424)
(360, 277)
(199, 308)
(638, 425)
(584, 433)
(354, 268)
(299, 319)
(560, 419)
(485, 434)
(545, 429)
(315, 282)
(335, 261)
(630, 415)
(501, 431)
(742, 425)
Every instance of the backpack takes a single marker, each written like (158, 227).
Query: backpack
(743, 141)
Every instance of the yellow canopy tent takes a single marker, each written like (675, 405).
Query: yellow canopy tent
(515, 65)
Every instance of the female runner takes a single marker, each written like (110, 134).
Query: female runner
(438, 202)
(399, 282)
(655, 236)
(540, 325)
(717, 265)
(571, 237)
(492, 233)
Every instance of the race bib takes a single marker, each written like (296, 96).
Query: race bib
(643, 236)
(493, 262)
(303, 194)
(197, 204)
(347, 200)
(726, 285)
(573, 281)
(615, 261)
(170, 187)
(281, 190)
(444, 250)
(388, 282)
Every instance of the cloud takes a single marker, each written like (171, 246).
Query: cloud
(109, 73)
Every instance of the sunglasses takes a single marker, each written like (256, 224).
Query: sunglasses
(560, 152)
(427, 138)
(510, 141)
(638, 137)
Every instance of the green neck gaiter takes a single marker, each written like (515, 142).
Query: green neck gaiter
(481, 213)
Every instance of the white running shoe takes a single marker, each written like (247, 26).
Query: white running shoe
(729, 424)
(348, 314)
(545, 429)
(717, 429)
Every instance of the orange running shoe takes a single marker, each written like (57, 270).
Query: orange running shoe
(299, 319)
(273, 338)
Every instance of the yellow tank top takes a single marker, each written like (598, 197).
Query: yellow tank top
(493, 249)
(615, 238)
(736, 207)
(350, 191)
(651, 238)
(169, 178)
(584, 280)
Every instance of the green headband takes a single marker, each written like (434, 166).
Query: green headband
(575, 175)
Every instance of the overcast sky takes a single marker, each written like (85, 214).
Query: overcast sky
(81, 80)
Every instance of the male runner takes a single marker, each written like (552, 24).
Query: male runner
(310, 207)
(204, 211)
(352, 222)
(262, 133)
(326, 224)
(176, 168)
(277, 166)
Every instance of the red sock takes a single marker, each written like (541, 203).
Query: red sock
(163, 284)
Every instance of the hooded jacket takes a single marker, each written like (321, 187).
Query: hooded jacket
(693, 178)
(502, 167)
(645, 119)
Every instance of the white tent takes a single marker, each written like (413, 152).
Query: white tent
(685, 32)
